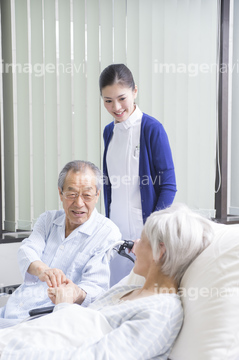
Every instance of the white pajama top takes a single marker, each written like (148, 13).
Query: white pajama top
(81, 256)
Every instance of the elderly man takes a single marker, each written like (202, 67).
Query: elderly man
(65, 244)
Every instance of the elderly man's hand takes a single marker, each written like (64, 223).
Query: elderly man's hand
(53, 277)
(67, 292)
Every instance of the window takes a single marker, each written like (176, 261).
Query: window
(51, 112)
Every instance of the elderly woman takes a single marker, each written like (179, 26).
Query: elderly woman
(128, 321)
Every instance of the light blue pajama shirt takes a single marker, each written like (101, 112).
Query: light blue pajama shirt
(142, 329)
(81, 256)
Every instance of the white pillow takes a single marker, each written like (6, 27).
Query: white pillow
(211, 305)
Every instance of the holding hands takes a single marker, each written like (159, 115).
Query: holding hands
(53, 277)
(60, 288)
(65, 293)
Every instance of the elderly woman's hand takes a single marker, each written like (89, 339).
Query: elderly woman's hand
(66, 293)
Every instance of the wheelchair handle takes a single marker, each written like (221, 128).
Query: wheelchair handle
(124, 244)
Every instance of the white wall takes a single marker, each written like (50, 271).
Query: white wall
(9, 270)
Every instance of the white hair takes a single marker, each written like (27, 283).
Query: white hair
(184, 233)
(82, 166)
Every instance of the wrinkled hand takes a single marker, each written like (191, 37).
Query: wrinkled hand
(67, 292)
(53, 277)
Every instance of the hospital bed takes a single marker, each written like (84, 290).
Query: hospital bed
(210, 296)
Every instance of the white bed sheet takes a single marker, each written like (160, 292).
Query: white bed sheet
(68, 325)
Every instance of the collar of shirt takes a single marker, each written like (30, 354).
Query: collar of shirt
(86, 228)
(136, 115)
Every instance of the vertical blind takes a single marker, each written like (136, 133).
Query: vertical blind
(53, 52)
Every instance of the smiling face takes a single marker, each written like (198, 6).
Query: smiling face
(77, 211)
(144, 255)
(119, 101)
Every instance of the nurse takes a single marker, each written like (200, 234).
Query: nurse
(139, 176)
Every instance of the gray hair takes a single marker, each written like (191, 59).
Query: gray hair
(184, 233)
(82, 166)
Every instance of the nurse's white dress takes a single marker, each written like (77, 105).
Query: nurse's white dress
(123, 168)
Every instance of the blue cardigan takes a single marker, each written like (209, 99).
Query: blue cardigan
(156, 168)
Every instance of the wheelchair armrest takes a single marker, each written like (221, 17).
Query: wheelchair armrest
(41, 311)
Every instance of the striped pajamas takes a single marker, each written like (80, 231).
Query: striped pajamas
(81, 256)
